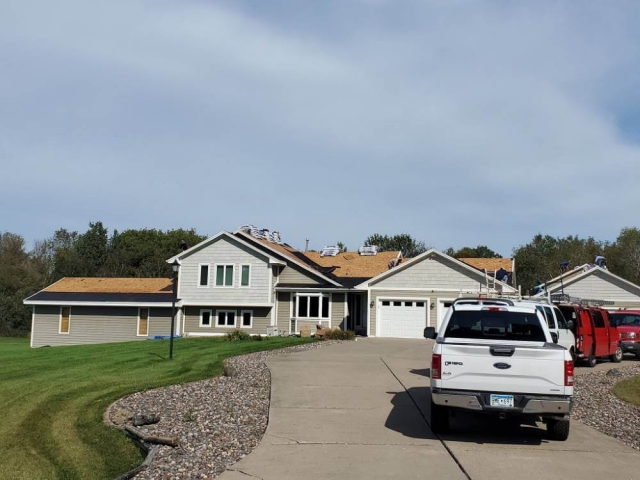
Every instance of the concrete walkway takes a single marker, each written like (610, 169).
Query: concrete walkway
(359, 411)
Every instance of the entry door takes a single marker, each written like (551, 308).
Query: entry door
(443, 306)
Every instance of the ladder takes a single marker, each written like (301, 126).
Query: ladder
(490, 280)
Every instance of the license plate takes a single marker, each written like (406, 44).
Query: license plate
(501, 400)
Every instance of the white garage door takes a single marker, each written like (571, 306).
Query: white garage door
(402, 318)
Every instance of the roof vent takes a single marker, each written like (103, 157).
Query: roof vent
(330, 251)
(371, 250)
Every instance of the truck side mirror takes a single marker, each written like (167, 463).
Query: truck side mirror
(570, 324)
(554, 337)
(430, 333)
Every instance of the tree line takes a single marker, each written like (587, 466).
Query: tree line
(143, 253)
(94, 253)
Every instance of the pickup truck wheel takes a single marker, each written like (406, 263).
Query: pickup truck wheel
(592, 360)
(558, 429)
(616, 357)
(439, 418)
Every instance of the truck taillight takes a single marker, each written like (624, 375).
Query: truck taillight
(436, 362)
(568, 373)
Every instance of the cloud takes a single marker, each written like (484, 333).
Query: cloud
(458, 122)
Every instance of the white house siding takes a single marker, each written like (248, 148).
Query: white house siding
(432, 273)
(283, 315)
(337, 311)
(261, 320)
(225, 251)
(159, 322)
(601, 286)
(87, 325)
(293, 274)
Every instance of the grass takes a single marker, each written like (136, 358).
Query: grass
(628, 390)
(53, 399)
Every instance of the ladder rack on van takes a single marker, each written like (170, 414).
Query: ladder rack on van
(585, 302)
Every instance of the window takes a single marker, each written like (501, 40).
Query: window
(397, 304)
(224, 276)
(408, 304)
(143, 322)
(547, 315)
(618, 319)
(204, 275)
(503, 325)
(312, 306)
(246, 318)
(598, 321)
(562, 322)
(245, 275)
(205, 318)
(385, 303)
(65, 319)
(226, 318)
(420, 304)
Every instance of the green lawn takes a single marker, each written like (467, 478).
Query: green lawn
(53, 399)
(628, 390)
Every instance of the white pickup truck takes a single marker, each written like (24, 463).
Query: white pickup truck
(497, 356)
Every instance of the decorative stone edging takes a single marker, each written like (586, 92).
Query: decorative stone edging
(217, 421)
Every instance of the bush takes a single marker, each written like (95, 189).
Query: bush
(338, 334)
(237, 335)
(259, 338)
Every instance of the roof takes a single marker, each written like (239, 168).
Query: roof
(419, 258)
(489, 264)
(111, 285)
(210, 240)
(98, 291)
(353, 265)
(578, 273)
(290, 253)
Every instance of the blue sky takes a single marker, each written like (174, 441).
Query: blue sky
(459, 122)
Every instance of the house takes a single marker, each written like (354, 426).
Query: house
(591, 282)
(252, 281)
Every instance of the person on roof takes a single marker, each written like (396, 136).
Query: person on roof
(601, 261)
(564, 266)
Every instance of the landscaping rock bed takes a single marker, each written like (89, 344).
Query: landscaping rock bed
(596, 406)
(217, 421)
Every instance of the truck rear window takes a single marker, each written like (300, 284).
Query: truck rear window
(495, 325)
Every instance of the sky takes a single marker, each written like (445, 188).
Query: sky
(460, 122)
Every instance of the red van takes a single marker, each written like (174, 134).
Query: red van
(628, 323)
(596, 335)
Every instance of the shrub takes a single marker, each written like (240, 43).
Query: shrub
(237, 335)
(338, 334)
(259, 338)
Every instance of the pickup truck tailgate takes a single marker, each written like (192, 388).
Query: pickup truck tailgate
(493, 368)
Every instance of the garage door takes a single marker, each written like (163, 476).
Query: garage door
(402, 318)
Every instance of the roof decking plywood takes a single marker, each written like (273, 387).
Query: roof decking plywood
(353, 265)
(490, 264)
(111, 285)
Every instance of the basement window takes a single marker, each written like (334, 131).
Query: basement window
(246, 317)
(205, 318)
(226, 318)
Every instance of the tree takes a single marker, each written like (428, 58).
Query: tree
(481, 251)
(539, 260)
(409, 246)
(342, 247)
(18, 280)
(623, 257)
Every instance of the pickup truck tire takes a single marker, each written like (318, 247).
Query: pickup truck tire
(617, 357)
(558, 429)
(439, 418)
(591, 360)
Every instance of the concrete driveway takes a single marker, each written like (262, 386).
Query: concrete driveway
(359, 410)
